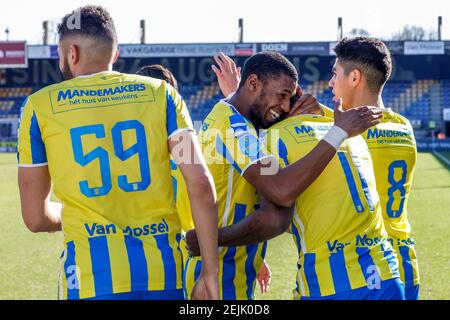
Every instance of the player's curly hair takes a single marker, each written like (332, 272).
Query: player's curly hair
(159, 72)
(268, 64)
(89, 21)
(369, 55)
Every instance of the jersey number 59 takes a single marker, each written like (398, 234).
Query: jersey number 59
(139, 148)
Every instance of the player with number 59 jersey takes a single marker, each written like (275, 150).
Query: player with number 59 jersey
(104, 146)
(104, 140)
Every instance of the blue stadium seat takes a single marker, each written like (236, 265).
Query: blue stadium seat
(410, 98)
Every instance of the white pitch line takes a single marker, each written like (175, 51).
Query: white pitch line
(443, 158)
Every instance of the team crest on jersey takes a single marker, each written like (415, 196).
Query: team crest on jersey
(249, 144)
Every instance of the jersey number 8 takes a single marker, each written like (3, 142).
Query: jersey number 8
(396, 186)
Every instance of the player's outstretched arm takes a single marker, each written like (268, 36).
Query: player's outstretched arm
(186, 152)
(38, 212)
(262, 224)
(283, 186)
(228, 75)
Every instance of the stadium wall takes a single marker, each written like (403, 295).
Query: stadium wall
(427, 61)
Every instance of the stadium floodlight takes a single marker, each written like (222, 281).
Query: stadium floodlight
(142, 29)
(45, 30)
(241, 30)
(7, 33)
(340, 31)
(440, 28)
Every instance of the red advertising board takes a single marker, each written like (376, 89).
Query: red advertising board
(13, 54)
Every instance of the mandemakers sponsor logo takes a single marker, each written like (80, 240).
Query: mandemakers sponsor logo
(307, 129)
(311, 131)
(377, 133)
(77, 93)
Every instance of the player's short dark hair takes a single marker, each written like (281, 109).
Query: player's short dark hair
(159, 72)
(369, 55)
(89, 21)
(268, 64)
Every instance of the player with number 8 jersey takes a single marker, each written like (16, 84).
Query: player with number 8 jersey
(393, 151)
(391, 143)
(394, 154)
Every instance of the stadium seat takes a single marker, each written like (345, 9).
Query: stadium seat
(410, 98)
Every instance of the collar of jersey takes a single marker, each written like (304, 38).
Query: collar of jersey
(97, 73)
(225, 101)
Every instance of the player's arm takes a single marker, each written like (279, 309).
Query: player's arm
(262, 224)
(283, 186)
(269, 221)
(185, 151)
(38, 212)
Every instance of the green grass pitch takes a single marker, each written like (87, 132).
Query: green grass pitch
(30, 262)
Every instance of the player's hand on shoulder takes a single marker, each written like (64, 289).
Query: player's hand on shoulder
(356, 120)
(192, 243)
(228, 75)
(304, 103)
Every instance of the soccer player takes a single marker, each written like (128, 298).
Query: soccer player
(337, 227)
(240, 164)
(183, 207)
(362, 67)
(104, 139)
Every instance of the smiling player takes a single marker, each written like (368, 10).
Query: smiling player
(241, 166)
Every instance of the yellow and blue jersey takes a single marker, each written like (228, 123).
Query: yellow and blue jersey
(184, 213)
(394, 153)
(230, 145)
(104, 139)
(337, 225)
(181, 198)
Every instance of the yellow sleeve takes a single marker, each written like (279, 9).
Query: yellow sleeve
(181, 198)
(328, 112)
(178, 118)
(31, 149)
(238, 143)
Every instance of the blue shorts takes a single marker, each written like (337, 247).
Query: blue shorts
(143, 295)
(392, 289)
(412, 292)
